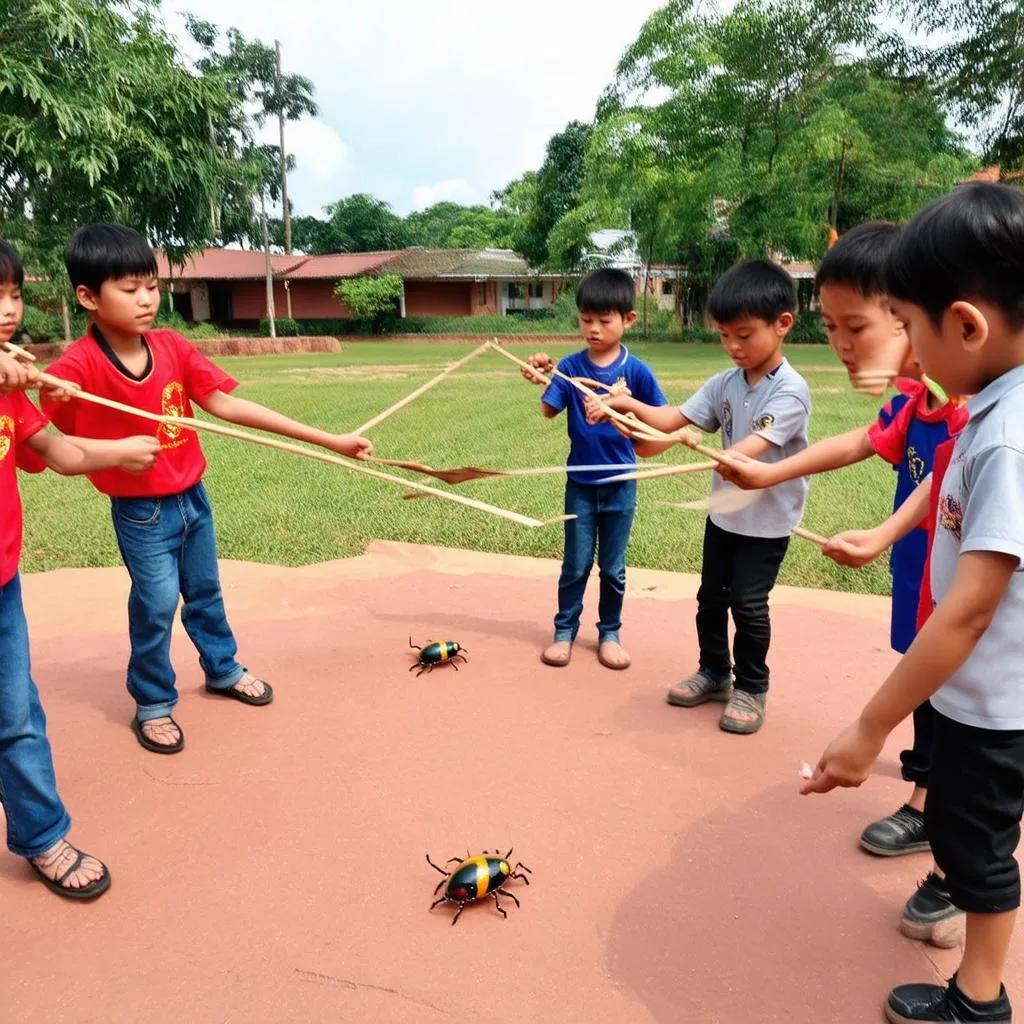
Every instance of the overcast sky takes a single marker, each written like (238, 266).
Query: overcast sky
(425, 101)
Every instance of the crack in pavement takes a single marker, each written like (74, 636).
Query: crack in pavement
(328, 979)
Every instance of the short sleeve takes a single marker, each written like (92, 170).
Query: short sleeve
(647, 389)
(63, 414)
(556, 395)
(992, 519)
(202, 377)
(28, 421)
(702, 408)
(784, 418)
(888, 434)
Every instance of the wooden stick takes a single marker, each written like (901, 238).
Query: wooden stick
(650, 474)
(21, 353)
(814, 538)
(644, 431)
(380, 417)
(190, 423)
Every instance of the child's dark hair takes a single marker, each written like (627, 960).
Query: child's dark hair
(967, 245)
(858, 258)
(756, 288)
(11, 269)
(106, 252)
(606, 291)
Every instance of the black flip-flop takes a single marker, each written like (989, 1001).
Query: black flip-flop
(158, 748)
(265, 698)
(86, 892)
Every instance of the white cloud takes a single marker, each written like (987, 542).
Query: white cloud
(460, 91)
(455, 190)
(322, 160)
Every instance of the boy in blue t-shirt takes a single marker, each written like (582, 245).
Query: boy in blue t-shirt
(604, 512)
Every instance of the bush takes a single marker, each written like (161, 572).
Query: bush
(42, 327)
(700, 335)
(284, 326)
(808, 329)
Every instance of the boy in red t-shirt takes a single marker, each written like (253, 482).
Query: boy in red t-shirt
(37, 823)
(162, 519)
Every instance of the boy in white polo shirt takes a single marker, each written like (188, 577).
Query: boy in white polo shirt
(762, 407)
(956, 278)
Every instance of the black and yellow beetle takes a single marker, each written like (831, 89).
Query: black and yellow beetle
(476, 878)
(437, 653)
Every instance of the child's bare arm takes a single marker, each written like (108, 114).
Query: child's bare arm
(831, 453)
(665, 418)
(15, 375)
(74, 456)
(252, 414)
(942, 646)
(856, 548)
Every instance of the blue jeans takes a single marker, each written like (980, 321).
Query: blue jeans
(169, 548)
(36, 818)
(604, 516)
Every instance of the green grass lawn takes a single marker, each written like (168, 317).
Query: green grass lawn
(278, 508)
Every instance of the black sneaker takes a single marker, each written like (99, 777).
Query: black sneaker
(900, 833)
(908, 1004)
(929, 915)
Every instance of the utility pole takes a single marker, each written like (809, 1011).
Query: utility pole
(269, 268)
(284, 156)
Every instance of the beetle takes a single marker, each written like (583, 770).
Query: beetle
(437, 653)
(476, 878)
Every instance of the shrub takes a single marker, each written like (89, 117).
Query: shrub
(42, 327)
(284, 327)
(808, 329)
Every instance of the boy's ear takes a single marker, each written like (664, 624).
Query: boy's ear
(87, 299)
(629, 319)
(970, 325)
(784, 324)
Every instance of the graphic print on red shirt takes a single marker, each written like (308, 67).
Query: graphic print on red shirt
(178, 376)
(19, 420)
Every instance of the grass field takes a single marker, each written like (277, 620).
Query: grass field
(277, 508)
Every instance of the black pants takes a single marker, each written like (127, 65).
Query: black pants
(917, 760)
(973, 812)
(738, 575)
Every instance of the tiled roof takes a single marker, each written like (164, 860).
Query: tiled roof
(226, 265)
(339, 265)
(421, 264)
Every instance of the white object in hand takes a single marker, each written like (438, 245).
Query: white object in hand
(806, 771)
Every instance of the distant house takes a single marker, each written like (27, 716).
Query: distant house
(228, 286)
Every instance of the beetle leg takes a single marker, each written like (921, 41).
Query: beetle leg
(464, 660)
(421, 670)
(501, 910)
(454, 666)
(462, 906)
(454, 860)
(511, 895)
(415, 664)
(436, 902)
(437, 887)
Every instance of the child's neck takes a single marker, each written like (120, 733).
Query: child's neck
(124, 343)
(607, 356)
(756, 374)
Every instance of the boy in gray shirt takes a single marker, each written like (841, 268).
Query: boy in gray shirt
(956, 278)
(762, 407)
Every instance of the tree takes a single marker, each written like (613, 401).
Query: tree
(447, 225)
(538, 202)
(100, 119)
(980, 70)
(362, 223)
(752, 132)
(371, 298)
(253, 72)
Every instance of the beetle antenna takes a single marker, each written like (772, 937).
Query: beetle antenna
(435, 867)
(413, 646)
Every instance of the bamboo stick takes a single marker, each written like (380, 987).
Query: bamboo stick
(402, 403)
(190, 423)
(650, 474)
(814, 538)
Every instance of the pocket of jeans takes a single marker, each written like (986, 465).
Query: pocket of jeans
(137, 511)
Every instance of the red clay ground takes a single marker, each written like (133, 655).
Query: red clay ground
(274, 871)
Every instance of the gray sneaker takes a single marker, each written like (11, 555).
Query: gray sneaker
(699, 689)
